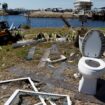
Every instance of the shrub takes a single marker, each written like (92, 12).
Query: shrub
(25, 26)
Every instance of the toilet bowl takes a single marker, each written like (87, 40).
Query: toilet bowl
(90, 65)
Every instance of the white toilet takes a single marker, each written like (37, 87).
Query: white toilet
(90, 65)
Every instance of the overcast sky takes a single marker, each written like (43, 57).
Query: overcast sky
(36, 4)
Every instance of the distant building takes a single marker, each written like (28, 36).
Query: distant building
(82, 5)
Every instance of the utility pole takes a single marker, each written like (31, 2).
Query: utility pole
(28, 18)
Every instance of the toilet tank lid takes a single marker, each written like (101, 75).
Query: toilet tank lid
(93, 44)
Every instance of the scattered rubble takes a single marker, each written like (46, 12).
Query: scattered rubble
(24, 43)
(54, 49)
(55, 55)
(58, 71)
(56, 37)
(77, 75)
(25, 87)
(40, 36)
(72, 56)
(8, 34)
(62, 39)
(56, 79)
(62, 58)
(54, 99)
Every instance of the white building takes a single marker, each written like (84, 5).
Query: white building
(83, 4)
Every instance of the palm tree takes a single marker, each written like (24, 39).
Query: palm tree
(5, 6)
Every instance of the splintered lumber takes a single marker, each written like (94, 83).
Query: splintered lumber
(26, 43)
(44, 58)
(31, 53)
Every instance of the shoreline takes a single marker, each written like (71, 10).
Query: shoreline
(44, 14)
(55, 15)
(50, 14)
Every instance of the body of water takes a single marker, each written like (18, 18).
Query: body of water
(49, 22)
(89, 23)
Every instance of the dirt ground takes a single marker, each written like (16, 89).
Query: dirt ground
(56, 78)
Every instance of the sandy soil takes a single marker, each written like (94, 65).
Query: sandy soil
(62, 83)
(56, 78)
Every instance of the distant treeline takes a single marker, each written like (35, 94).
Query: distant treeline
(13, 12)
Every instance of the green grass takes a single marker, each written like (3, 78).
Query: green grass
(102, 29)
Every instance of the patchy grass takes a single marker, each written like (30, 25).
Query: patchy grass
(102, 29)
(64, 31)
(35, 31)
(10, 56)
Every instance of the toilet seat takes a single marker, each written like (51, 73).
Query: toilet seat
(93, 44)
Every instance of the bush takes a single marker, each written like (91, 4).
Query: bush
(25, 26)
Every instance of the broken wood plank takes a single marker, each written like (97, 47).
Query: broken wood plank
(43, 59)
(31, 53)
(26, 43)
